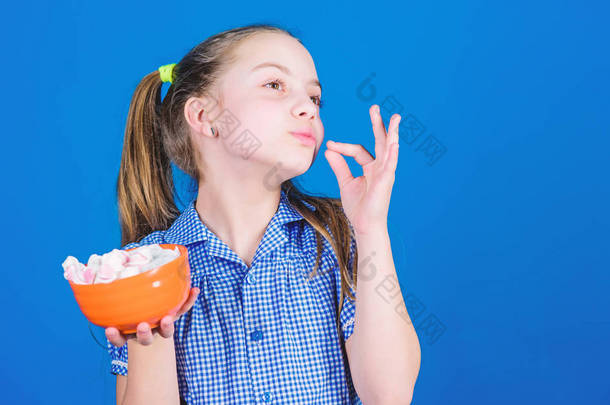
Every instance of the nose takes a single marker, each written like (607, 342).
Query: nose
(304, 107)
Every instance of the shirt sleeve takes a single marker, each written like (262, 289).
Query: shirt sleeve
(118, 355)
(348, 310)
(118, 358)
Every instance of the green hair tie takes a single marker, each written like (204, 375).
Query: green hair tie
(166, 72)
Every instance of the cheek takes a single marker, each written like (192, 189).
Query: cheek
(264, 125)
(268, 121)
(251, 115)
(319, 128)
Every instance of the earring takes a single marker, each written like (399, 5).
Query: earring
(213, 132)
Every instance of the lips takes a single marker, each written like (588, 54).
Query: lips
(306, 138)
(301, 133)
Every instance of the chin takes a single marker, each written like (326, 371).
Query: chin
(286, 167)
(297, 166)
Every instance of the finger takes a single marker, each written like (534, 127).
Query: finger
(114, 336)
(189, 302)
(144, 334)
(393, 158)
(392, 138)
(194, 293)
(393, 129)
(193, 297)
(358, 152)
(166, 328)
(378, 130)
(339, 166)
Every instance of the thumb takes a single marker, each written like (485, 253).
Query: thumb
(339, 166)
(190, 301)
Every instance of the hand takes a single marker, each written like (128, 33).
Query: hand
(366, 199)
(144, 335)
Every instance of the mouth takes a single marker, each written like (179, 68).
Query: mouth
(306, 138)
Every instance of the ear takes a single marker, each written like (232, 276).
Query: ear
(197, 112)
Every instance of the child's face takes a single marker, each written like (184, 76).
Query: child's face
(269, 110)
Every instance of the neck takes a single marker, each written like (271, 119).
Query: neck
(237, 213)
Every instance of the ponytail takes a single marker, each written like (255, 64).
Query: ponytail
(145, 184)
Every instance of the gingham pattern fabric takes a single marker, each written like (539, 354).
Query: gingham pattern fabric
(263, 334)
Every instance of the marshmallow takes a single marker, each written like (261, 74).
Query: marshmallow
(117, 264)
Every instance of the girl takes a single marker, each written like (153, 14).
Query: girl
(272, 316)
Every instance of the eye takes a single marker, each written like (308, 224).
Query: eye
(281, 83)
(319, 103)
(276, 81)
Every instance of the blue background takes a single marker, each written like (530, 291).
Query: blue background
(502, 243)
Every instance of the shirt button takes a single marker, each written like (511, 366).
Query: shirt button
(266, 396)
(256, 335)
(251, 278)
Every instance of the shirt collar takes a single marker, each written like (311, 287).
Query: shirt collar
(188, 227)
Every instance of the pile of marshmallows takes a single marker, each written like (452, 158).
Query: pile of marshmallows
(117, 264)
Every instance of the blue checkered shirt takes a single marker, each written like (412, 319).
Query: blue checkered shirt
(263, 334)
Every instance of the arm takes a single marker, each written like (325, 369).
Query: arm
(383, 351)
(152, 377)
(121, 386)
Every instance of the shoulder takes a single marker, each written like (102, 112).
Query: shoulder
(150, 239)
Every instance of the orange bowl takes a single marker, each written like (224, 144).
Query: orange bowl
(145, 297)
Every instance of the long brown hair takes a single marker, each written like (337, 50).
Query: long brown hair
(157, 133)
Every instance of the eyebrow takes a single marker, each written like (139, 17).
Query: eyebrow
(285, 70)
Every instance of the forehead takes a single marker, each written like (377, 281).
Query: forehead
(274, 48)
